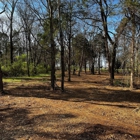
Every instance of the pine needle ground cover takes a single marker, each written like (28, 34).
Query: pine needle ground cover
(88, 109)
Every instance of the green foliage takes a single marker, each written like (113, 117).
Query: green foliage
(131, 6)
(79, 44)
(132, 3)
(42, 69)
(39, 69)
(122, 24)
(45, 36)
(17, 68)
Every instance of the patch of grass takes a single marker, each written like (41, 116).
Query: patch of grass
(11, 80)
(40, 77)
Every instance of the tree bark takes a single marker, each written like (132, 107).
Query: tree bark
(85, 64)
(69, 45)
(11, 42)
(62, 48)
(113, 59)
(99, 63)
(1, 82)
(81, 63)
(137, 61)
(92, 69)
(13, 6)
(28, 60)
(53, 77)
(69, 58)
(132, 52)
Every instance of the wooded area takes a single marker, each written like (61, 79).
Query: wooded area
(43, 35)
(67, 41)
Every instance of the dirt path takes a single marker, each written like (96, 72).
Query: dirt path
(89, 109)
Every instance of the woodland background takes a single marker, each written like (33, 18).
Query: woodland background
(41, 36)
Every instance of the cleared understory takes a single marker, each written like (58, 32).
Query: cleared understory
(89, 109)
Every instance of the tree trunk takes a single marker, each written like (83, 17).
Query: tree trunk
(62, 49)
(28, 69)
(11, 42)
(69, 60)
(1, 82)
(13, 5)
(81, 63)
(29, 54)
(62, 61)
(85, 66)
(99, 63)
(137, 62)
(132, 52)
(110, 69)
(113, 59)
(52, 47)
(69, 47)
(74, 71)
(28, 63)
(92, 69)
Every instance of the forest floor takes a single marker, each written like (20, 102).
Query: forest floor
(88, 109)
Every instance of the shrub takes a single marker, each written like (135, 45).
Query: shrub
(18, 67)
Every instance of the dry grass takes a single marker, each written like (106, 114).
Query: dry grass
(89, 109)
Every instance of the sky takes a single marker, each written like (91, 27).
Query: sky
(1, 9)
(0, 6)
(112, 20)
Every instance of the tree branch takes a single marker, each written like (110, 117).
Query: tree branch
(3, 10)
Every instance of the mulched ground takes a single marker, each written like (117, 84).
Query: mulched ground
(88, 109)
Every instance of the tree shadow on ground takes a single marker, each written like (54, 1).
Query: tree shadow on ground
(77, 94)
(102, 132)
(16, 123)
(108, 95)
(11, 119)
(92, 132)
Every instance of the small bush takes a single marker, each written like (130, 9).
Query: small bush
(39, 69)
(19, 68)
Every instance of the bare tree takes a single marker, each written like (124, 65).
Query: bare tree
(27, 20)
(11, 6)
(111, 54)
(43, 8)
